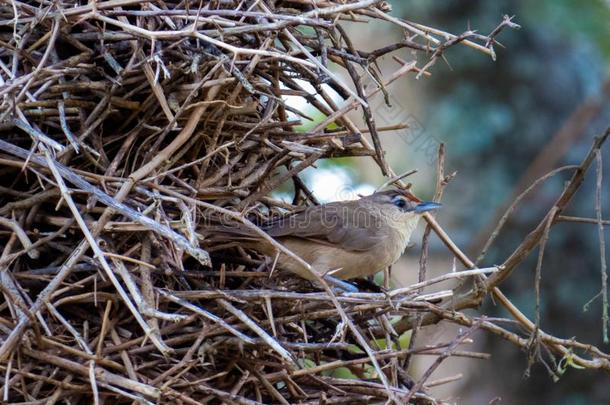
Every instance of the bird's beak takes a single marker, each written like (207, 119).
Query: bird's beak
(427, 206)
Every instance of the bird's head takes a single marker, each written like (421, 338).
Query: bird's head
(401, 207)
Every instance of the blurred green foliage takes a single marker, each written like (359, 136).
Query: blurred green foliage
(574, 20)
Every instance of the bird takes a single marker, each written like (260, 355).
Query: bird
(344, 239)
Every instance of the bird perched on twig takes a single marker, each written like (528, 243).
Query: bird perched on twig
(345, 239)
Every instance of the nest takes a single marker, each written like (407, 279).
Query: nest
(125, 126)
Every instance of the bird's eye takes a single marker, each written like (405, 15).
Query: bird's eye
(400, 203)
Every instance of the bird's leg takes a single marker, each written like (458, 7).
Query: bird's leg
(340, 284)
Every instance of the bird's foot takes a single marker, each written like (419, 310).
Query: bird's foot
(368, 285)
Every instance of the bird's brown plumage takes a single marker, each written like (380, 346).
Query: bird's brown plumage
(344, 239)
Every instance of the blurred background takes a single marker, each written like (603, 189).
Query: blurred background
(504, 124)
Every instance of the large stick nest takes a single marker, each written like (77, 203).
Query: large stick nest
(125, 126)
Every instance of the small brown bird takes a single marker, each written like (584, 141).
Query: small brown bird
(346, 239)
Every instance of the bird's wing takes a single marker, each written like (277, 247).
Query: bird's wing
(344, 225)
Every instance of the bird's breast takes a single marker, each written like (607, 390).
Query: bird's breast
(401, 232)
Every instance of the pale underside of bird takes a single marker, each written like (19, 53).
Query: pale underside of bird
(345, 239)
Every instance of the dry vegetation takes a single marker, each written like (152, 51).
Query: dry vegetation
(126, 124)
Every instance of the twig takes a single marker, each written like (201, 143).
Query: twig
(602, 243)
(23, 237)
